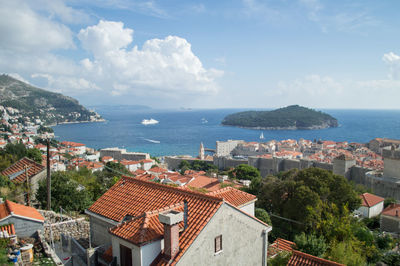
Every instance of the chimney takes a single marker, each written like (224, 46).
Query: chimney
(171, 220)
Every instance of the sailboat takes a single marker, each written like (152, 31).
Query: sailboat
(262, 135)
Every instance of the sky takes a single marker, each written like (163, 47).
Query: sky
(207, 54)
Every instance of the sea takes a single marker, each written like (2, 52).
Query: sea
(180, 131)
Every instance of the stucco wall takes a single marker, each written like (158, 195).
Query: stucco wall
(376, 210)
(23, 227)
(140, 255)
(99, 231)
(249, 208)
(242, 241)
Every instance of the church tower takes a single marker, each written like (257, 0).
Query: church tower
(201, 151)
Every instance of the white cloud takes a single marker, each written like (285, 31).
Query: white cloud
(19, 77)
(104, 37)
(162, 65)
(24, 30)
(58, 9)
(393, 61)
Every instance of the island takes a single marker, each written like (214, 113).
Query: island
(288, 118)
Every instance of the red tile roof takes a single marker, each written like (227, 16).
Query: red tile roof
(9, 228)
(146, 227)
(369, 200)
(280, 245)
(158, 170)
(391, 210)
(234, 196)
(16, 172)
(300, 258)
(137, 198)
(72, 144)
(9, 208)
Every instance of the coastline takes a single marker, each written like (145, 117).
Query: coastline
(284, 128)
(80, 122)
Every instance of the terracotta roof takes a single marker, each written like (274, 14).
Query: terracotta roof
(72, 144)
(391, 210)
(280, 245)
(157, 170)
(208, 183)
(9, 228)
(9, 208)
(369, 200)
(300, 258)
(16, 172)
(137, 198)
(234, 196)
(146, 227)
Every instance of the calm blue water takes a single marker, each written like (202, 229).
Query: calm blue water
(180, 132)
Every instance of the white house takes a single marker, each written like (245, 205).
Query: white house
(146, 223)
(371, 205)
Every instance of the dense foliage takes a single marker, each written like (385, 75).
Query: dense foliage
(291, 116)
(13, 152)
(77, 190)
(313, 207)
(197, 165)
(50, 107)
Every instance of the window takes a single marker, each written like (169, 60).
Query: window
(218, 244)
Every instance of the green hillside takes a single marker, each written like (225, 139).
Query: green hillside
(36, 103)
(291, 117)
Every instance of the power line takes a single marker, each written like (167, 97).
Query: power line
(283, 218)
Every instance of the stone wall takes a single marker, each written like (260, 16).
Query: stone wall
(225, 162)
(390, 224)
(57, 224)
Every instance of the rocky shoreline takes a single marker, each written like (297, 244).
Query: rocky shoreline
(315, 127)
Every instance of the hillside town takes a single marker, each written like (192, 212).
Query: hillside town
(187, 198)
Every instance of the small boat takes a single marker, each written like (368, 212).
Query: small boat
(150, 121)
(204, 121)
(262, 135)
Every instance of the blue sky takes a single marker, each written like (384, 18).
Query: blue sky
(207, 54)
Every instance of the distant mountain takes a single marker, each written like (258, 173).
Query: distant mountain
(291, 117)
(40, 104)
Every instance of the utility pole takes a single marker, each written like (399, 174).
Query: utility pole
(48, 176)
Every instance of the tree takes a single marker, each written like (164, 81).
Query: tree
(244, 171)
(389, 201)
(311, 244)
(281, 259)
(35, 155)
(65, 193)
(347, 253)
(317, 200)
(18, 150)
(262, 215)
(391, 259)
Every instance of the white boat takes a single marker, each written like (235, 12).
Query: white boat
(203, 120)
(150, 121)
(262, 135)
